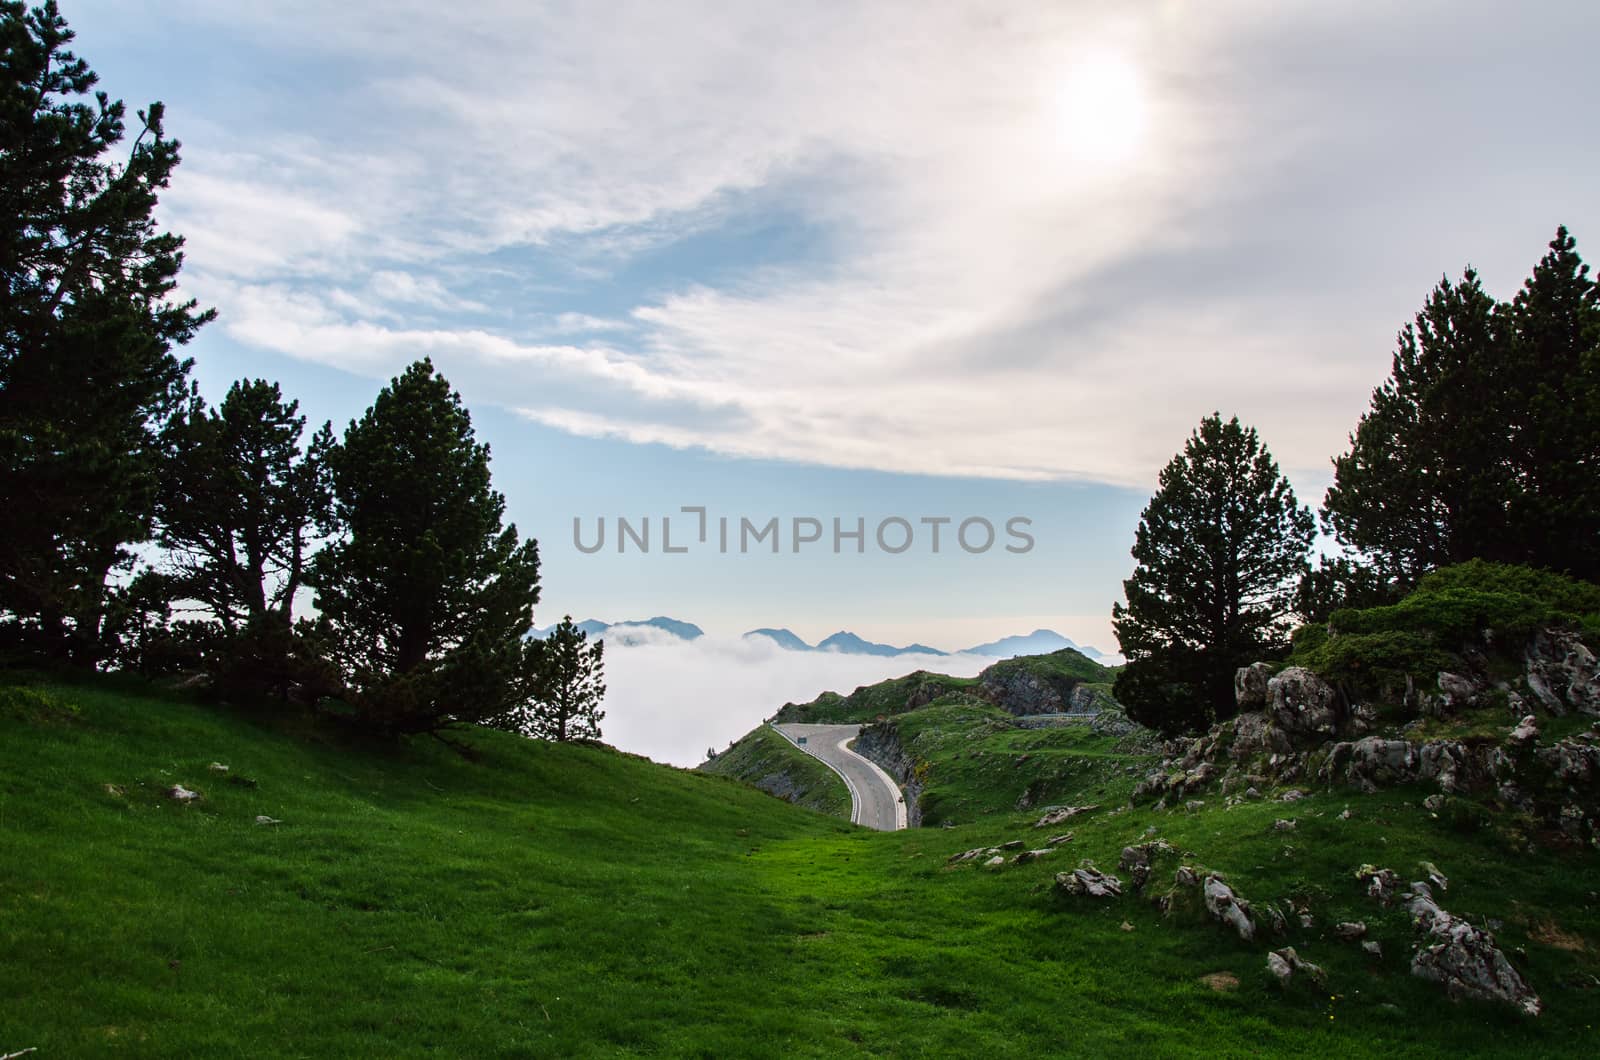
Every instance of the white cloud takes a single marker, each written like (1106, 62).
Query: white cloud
(991, 299)
(672, 699)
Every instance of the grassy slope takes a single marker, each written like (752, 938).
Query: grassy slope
(573, 901)
(869, 701)
(770, 762)
(975, 762)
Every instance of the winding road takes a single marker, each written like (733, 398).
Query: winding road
(875, 799)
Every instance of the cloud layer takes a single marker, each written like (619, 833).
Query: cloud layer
(674, 699)
(871, 235)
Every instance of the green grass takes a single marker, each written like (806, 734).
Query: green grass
(894, 696)
(975, 762)
(573, 901)
(1067, 663)
(766, 760)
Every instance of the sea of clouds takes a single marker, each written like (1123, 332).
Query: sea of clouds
(673, 699)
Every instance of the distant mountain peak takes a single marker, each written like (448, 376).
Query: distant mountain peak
(783, 638)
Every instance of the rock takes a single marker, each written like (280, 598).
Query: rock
(1062, 813)
(1382, 884)
(1435, 877)
(1285, 964)
(1221, 982)
(1307, 921)
(1526, 732)
(1015, 844)
(1136, 861)
(1345, 816)
(1057, 840)
(1126, 926)
(1351, 931)
(1375, 762)
(1185, 877)
(115, 791)
(1444, 762)
(1250, 686)
(1194, 804)
(965, 855)
(262, 818)
(1228, 907)
(181, 793)
(995, 862)
(1457, 693)
(1281, 825)
(1252, 793)
(1304, 706)
(1254, 736)
(1433, 803)
(217, 767)
(1293, 795)
(1372, 949)
(1563, 673)
(1465, 959)
(1089, 882)
(1030, 855)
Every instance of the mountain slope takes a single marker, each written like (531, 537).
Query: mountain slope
(847, 643)
(783, 638)
(566, 900)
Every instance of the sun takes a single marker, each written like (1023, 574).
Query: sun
(1102, 109)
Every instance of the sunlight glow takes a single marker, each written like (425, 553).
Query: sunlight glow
(1103, 110)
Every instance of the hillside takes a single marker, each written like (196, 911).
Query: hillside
(570, 900)
(771, 763)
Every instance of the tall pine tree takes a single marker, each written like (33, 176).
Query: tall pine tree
(426, 598)
(1219, 550)
(87, 327)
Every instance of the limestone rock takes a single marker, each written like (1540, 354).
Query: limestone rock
(1062, 813)
(1057, 840)
(1372, 949)
(1228, 907)
(182, 794)
(1030, 855)
(1526, 732)
(1351, 931)
(1286, 964)
(262, 818)
(1137, 861)
(1303, 705)
(1089, 882)
(1281, 825)
(995, 862)
(1457, 693)
(965, 855)
(1563, 673)
(1382, 884)
(1015, 844)
(1465, 959)
(1250, 686)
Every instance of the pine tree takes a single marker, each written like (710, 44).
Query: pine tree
(426, 597)
(1552, 401)
(86, 332)
(566, 686)
(1485, 440)
(1219, 550)
(238, 510)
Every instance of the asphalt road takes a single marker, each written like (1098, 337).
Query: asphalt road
(875, 799)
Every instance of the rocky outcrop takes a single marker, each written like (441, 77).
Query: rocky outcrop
(1562, 673)
(880, 743)
(1020, 692)
(1086, 881)
(1303, 706)
(1464, 958)
(1227, 907)
(1286, 965)
(1139, 861)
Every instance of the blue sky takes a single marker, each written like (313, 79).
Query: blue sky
(852, 260)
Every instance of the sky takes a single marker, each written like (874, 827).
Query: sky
(843, 260)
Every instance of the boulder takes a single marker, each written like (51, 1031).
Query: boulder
(995, 862)
(1061, 813)
(1254, 736)
(1137, 861)
(1250, 686)
(1457, 692)
(1526, 732)
(1286, 964)
(1351, 931)
(1563, 673)
(1372, 949)
(1030, 855)
(180, 793)
(1088, 882)
(1382, 884)
(1463, 958)
(1304, 706)
(1281, 825)
(262, 818)
(1228, 907)
(965, 855)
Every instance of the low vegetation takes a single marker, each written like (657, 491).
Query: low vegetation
(551, 899)
(766, 760)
